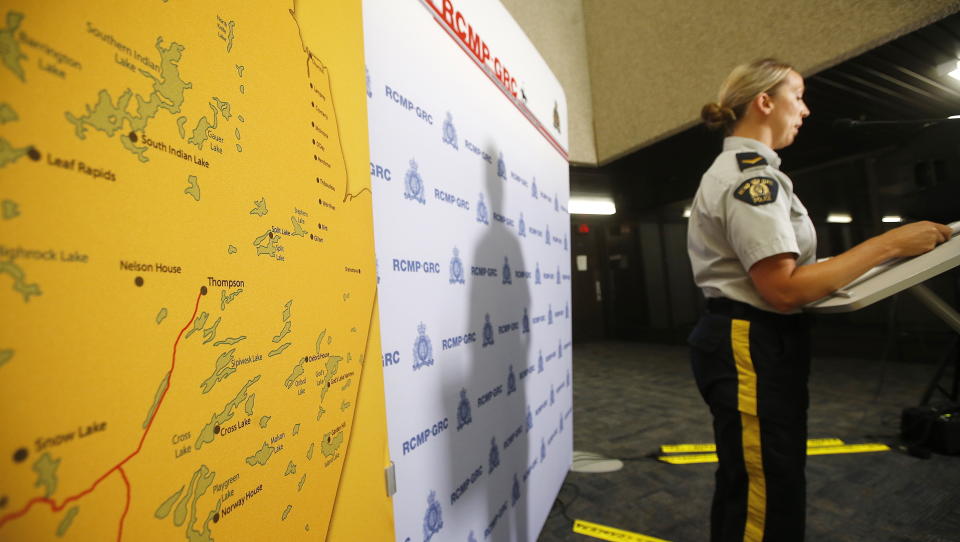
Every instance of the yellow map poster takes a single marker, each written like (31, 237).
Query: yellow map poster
(187, 274)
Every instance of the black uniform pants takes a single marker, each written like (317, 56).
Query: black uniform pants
(751, 368)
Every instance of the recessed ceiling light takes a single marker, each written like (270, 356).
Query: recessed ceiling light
(839, 218)
(892, 218)
(592, 206)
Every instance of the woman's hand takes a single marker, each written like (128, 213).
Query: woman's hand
(915, 238)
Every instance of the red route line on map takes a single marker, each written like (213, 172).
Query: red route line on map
(119, 466)
(126, 506)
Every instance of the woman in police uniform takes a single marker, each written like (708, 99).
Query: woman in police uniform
(753, 252)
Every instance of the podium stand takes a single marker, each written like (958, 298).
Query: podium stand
(908, 274)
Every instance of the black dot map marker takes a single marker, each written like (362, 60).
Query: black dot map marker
(34, 154)
(271, 235)
(216, 429)
(132, 136)
(203, 290)
(20, 455)
(216, 517)
(138, 281)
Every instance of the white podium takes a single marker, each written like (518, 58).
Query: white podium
(906, 274)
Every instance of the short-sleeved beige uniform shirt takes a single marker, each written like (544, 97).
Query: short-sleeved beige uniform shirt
(744, 211)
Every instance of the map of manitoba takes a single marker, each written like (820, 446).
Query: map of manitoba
(187, 275)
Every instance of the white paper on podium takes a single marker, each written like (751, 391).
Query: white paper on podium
(891, 278)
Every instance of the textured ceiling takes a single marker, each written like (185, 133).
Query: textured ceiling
(653, 64)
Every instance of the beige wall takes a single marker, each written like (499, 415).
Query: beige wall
(654, 63)
(556, 28)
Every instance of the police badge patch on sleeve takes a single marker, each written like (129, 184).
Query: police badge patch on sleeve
(747, 160)
(757, 191)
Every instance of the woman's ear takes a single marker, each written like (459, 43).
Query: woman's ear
(764, 103)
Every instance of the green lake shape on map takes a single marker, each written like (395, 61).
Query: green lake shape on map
(260, 207)
(168, 93)
(7, 355)
(286, 511)
(7, 114)
(46, 469)
(329, 445)
(156, 399)
(200, 481)
(193, 188)
(9, 154)
(227, 299)
(67, 520)
(297, 371)
(248, 407)
(264, 420)
(10, 209)
(262, 456)
(291, 469)
(278, 350)
(161, 315)
(206, 434)
(222, 369)
(198, 324)
(19, 281)
(210, 333)
(9, 48)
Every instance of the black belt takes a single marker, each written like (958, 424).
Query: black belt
(744, 311)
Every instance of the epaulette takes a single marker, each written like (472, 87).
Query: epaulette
(747, 160)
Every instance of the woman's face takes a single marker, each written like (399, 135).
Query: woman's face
(789, 110)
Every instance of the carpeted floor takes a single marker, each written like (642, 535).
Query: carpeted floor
(630, 398)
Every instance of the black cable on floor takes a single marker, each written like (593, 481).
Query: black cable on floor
(559, 505)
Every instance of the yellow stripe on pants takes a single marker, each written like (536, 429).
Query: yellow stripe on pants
(750, 427)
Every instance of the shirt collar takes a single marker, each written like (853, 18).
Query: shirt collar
(734, 143)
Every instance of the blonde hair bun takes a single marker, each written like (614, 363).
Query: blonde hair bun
(716, 116)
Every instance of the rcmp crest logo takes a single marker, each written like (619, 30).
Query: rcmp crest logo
(422, 349)
(501, 167)
(456, 268)
(757, 191)
(369, 91)
(506, 271)
(413, 185)
(529, 419)
(521, 227)
(549, 315)
(533, 190)
(494, 455)
(482, 211)
(450, 132)
(433, 518)
(540, 362)
(525, 322)
(536, 274)
(515, 492)
(546, 235)
(487, 331)
(511, 381)
(463, 410)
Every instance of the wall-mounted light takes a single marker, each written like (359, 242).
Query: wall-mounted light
(892, 219)
(686, 212)
(593, 205)
(839, 218)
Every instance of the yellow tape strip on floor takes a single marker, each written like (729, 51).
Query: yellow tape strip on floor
(602, 532)
(688, 459)
(711, 447)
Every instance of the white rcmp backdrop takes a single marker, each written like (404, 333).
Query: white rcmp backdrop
(470, 187)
